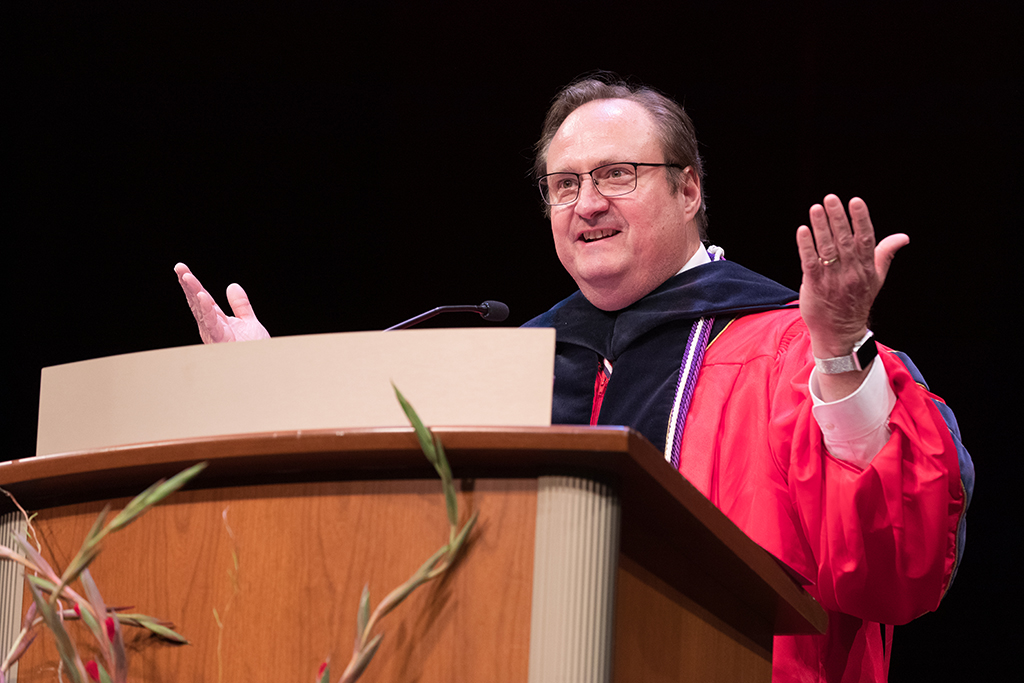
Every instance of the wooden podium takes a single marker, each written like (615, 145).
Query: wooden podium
(592, 559)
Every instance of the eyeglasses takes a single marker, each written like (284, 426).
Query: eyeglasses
(611, 180)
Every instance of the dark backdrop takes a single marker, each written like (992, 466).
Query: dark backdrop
(354, 167)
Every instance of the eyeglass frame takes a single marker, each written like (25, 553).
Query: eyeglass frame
(579, 177)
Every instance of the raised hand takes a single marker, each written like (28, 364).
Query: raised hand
(842, 274)
(214, 325)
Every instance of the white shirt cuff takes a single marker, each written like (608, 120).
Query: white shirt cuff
(855, 428)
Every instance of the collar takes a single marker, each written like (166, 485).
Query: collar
(716, 288)
(699, 258)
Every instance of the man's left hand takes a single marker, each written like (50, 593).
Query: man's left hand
(843, 270)
(214, 325)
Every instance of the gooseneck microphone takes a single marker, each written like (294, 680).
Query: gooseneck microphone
(491, 311)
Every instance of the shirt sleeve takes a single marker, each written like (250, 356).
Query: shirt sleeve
(856, 427)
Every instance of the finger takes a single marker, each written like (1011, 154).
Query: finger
(863, 230)
(181, 270)
(190, 284)
(822, 233)
(805, 246)
(184, 274)
(238, 300)
(202, 314)
(842, 234)
(886, 250)
(209, 318)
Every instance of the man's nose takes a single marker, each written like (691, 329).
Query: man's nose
(590, 201)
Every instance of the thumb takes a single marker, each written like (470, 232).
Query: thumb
(885, 252)
(239, 302)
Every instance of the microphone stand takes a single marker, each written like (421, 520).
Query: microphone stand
(493, 311)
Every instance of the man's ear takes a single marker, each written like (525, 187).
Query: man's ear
(690, 192)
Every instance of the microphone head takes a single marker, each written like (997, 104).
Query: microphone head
(494, 311)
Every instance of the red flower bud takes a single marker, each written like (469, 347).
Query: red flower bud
(78, 610)
(93, 669)
(111, 629)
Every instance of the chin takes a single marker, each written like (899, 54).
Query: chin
(610, 298)
(612, 304)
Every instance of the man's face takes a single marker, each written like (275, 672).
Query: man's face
(621, 248)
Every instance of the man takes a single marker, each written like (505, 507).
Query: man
(847, 472)
(869, 515)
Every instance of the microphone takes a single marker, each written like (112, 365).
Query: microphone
(494, 311)
(491, 311)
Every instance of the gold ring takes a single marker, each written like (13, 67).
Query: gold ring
(828, 262)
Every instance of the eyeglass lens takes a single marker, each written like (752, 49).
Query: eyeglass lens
(611, 181)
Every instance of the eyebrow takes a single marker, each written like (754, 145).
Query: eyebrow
(603, 162)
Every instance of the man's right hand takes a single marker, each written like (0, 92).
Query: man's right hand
(214, 325)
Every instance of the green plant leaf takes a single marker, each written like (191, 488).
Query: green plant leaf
(443, 468)
(365, 656)
(164, 629)
(456, 545)
(153, 495)
(450, 501)
(422, 433)
(91, 547)
(433, 450)
(164, 632)
(66, 650)
(44, 584)
(90, 620)
(453, 548)
(96, 606)
(79, 563)
(97, 526)
(395, 597)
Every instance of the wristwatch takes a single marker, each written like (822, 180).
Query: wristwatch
(862, 355)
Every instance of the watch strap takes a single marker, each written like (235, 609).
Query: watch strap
(860, 358)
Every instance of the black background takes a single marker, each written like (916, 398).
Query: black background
(354, 167)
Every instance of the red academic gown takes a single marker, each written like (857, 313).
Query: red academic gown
(876, 546)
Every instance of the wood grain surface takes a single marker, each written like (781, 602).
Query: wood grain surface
(304, 553)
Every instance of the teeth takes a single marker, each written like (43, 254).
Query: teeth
(598, 235)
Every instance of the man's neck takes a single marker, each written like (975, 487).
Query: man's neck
(699, 258)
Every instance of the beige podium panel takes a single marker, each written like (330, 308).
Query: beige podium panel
(468, 377)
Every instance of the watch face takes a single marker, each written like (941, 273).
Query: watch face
(866, 352)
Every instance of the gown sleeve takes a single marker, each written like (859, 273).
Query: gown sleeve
(885, 540)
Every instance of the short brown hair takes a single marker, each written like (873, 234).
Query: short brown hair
(678, 138)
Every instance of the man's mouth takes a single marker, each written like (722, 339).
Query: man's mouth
(595, 235)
